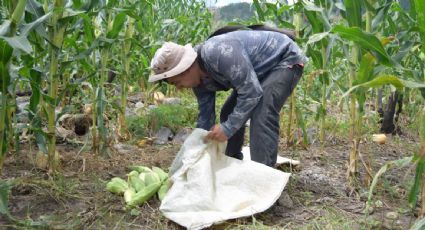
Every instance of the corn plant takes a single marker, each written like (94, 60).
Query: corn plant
(319, 47)
(125, 54)
(8, 42)
(419, 13)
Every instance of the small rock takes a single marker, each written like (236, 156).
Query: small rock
(163, 135)
(125, 149)
(139, 104)
(139, 108)
(391, 215)
(317, 180)
(129, 112)
(150, 107)
(181, 136)
(135, 98)
(285, 201)
(172, 101)
(390, 225)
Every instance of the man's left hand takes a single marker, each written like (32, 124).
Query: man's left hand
(217, 134)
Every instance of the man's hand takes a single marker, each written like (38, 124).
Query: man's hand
(217, 134)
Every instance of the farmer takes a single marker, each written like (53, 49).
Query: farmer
(261, 66)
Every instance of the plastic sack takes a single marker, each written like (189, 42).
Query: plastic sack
(209, 187)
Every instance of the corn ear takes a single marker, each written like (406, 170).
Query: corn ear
(162, 175)
(142, 176)
(164, 189)
(139, 168)
(144, 195)
(117, 185)
(129, 194)
(151, 178)
(134, 181)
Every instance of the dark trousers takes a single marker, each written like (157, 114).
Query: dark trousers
(264, 123)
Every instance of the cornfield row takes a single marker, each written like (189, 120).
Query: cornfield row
(360, 51)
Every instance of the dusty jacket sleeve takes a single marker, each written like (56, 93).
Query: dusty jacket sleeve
(231, 62)
(206, 106)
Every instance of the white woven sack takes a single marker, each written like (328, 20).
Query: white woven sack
(209, 187)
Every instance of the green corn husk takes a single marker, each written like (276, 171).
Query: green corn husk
(151, 178)
(164, 189)
(162, 175)
(117, 185)
(145, 194)
(129, 194)
(142, 176)
(134, 181)
(139, 168)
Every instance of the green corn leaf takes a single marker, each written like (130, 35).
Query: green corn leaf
(5, 28)
(315, 56)
(365, 72)
(353, 12)
(420, 17)
(259, 10)
(19, 42)
(399, 163)
(365, 40)
(28, 27)
(18, 12)
(419, 225)
(414, 191)
(368, 6)
(317, 37)
(117, 25)
(88, 29)
(378, 20)
(315, 23)
(385, 80)
(5, 51)
(35, 82)
(35, 8)
(5, 187)
(422, 126)
(301, 122)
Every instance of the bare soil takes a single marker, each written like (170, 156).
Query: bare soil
(76, 198)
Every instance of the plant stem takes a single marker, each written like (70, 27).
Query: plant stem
(124, 84)
(5, 113)
(324, 102)
(352, 166)
(56, 36)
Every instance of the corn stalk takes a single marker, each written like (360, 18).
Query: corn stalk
(298, 21)
(419, 10)
(5, 58)
(125, 55)
(56, 33)
(368, 163)
(353, 11)
(354, 120)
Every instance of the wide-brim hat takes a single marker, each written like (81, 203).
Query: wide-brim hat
(170, 60)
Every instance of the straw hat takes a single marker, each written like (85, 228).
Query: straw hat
(170, 60)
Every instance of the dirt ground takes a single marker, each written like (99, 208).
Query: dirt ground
(76, 198)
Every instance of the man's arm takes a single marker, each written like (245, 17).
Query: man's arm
(206, 106)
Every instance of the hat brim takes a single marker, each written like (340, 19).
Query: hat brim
(187, 60)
